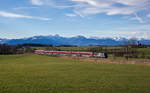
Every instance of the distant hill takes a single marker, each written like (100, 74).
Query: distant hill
(78, 40)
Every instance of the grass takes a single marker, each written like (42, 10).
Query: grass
(42, 74)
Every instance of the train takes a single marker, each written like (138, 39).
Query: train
(72, 53)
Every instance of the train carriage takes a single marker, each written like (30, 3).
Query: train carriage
(72, 53)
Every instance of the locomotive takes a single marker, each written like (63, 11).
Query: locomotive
(72, 53)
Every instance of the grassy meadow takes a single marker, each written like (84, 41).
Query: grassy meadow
(42, 74)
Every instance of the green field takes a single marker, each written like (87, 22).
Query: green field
(42, 74)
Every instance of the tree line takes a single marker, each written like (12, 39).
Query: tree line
(7, 49)
(19, 49)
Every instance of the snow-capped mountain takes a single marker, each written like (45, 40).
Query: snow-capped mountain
(77, 40)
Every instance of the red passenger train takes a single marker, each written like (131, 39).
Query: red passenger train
(71, 53)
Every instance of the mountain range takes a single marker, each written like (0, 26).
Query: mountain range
(77, 40)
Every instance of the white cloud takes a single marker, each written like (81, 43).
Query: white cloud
(122, 34)
(37, 2)
(140, 35)
(78, 13)
(22, 8)
(13, 15)
(137, 18)
(148, 15)
(91, 2)
(70, 15)
(121, 11)
(131, 2)
(109, 7)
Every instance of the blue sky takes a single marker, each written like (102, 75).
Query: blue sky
(90, 18)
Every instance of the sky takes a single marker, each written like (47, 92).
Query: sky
(90, 18)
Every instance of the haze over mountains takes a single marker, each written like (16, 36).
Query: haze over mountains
(77, 40)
